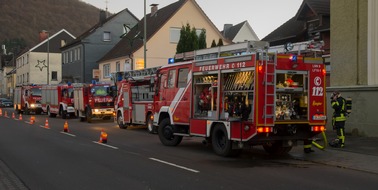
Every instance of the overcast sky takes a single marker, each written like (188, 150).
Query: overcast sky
(263, 15)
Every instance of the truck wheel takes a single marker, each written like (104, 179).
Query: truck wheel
(166, 136)
(49, 113)
(89, 117)
(120, 123)
(276, 148)
(220, 142)
(149, 123)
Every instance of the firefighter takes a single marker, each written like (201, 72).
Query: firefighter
(338, 119)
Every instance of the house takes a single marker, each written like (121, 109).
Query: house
(162, 36)
(79, 57)
(240, 32)
(312, 22)
(42, 63)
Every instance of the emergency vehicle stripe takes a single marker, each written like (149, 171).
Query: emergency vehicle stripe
(180, 93)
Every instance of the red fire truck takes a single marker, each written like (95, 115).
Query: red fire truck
(93, 101)
(241, 94)
(27, 99)
(58, 100)
(134, 100)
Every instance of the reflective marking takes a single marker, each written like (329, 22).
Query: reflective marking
(175, 165)
(69, 134)
(44, 127)
(113, 147)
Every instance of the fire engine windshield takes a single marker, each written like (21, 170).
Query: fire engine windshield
(100, 91)
(36, 92)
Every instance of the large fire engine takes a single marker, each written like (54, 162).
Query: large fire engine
(58, 100)
(134, 98)
(241, 94)
(93, 101)
(27, 99)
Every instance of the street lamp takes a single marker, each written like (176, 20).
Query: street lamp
(145, 36)
(48, 55)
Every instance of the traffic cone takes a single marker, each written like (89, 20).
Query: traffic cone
(13, 116)
(32, 119)
(47, 124)
(20, 118)
(65, 127)
(6, 114)
(103, 137)
(1, 112)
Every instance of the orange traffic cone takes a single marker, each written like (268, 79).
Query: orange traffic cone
(13, 116)
(20, 118)
(65, 127)
(32, 119)
(6, 114)
(1, 112)
(103, 137)
(47, 124)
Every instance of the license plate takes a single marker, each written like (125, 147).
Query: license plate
(319, 117)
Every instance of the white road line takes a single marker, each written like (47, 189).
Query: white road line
(44, 127)
(113, 147)
(175, 165)
(69, 134)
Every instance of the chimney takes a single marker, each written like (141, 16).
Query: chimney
(226, 27)
(43, 35)
(154, 9)
(102, 16)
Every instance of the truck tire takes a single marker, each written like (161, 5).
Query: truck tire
(220, 142)
(276, 148)
(120, 123)
(166, 136)
(89, 116)
(149, 124)
(49, 113)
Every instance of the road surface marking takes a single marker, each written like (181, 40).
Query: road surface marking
(69, 134)
(175, 165)
(105, 145)
(44, 127)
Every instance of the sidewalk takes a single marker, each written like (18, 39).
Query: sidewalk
(359, 153)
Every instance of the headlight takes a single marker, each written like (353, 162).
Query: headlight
(32, 105)
(96, 110)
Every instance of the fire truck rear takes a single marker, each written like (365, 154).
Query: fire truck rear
(241, 94)
(58, 100)
(93, 101)
(27, 99)
(134, 98)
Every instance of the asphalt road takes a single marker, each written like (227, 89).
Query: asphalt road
(134, 159)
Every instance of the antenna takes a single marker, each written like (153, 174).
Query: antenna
(106, 8)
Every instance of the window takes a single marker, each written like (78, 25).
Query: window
(71, 56)
(183, 77)
(174, 34)
(106, 71)
(118, 66)
(106, 36)
(54, 76)
(171, 78)
(78, 53)
(62, 43)
(27, 77)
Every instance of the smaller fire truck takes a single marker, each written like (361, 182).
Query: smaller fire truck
(28, 99)
(93, 101)
(241, 94)
(134, 98)
(58, 100)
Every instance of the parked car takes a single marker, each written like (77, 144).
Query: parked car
(5, 103)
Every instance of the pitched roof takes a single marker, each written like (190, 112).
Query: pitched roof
(295, 26)
(231, 32)
(93, 29)
(135, 35)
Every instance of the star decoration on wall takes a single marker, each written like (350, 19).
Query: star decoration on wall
(41, 64)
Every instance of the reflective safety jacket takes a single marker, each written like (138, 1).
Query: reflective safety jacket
(339, 106)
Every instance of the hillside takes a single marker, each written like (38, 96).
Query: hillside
(24, 19)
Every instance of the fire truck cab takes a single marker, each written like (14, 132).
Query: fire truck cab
(93, 101)
(134, 98)
(241, 94)
(27, 99)
(58, 100)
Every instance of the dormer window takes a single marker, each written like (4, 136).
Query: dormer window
(106, 36)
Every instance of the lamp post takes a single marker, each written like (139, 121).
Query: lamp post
(48, 56)
(145, 37)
